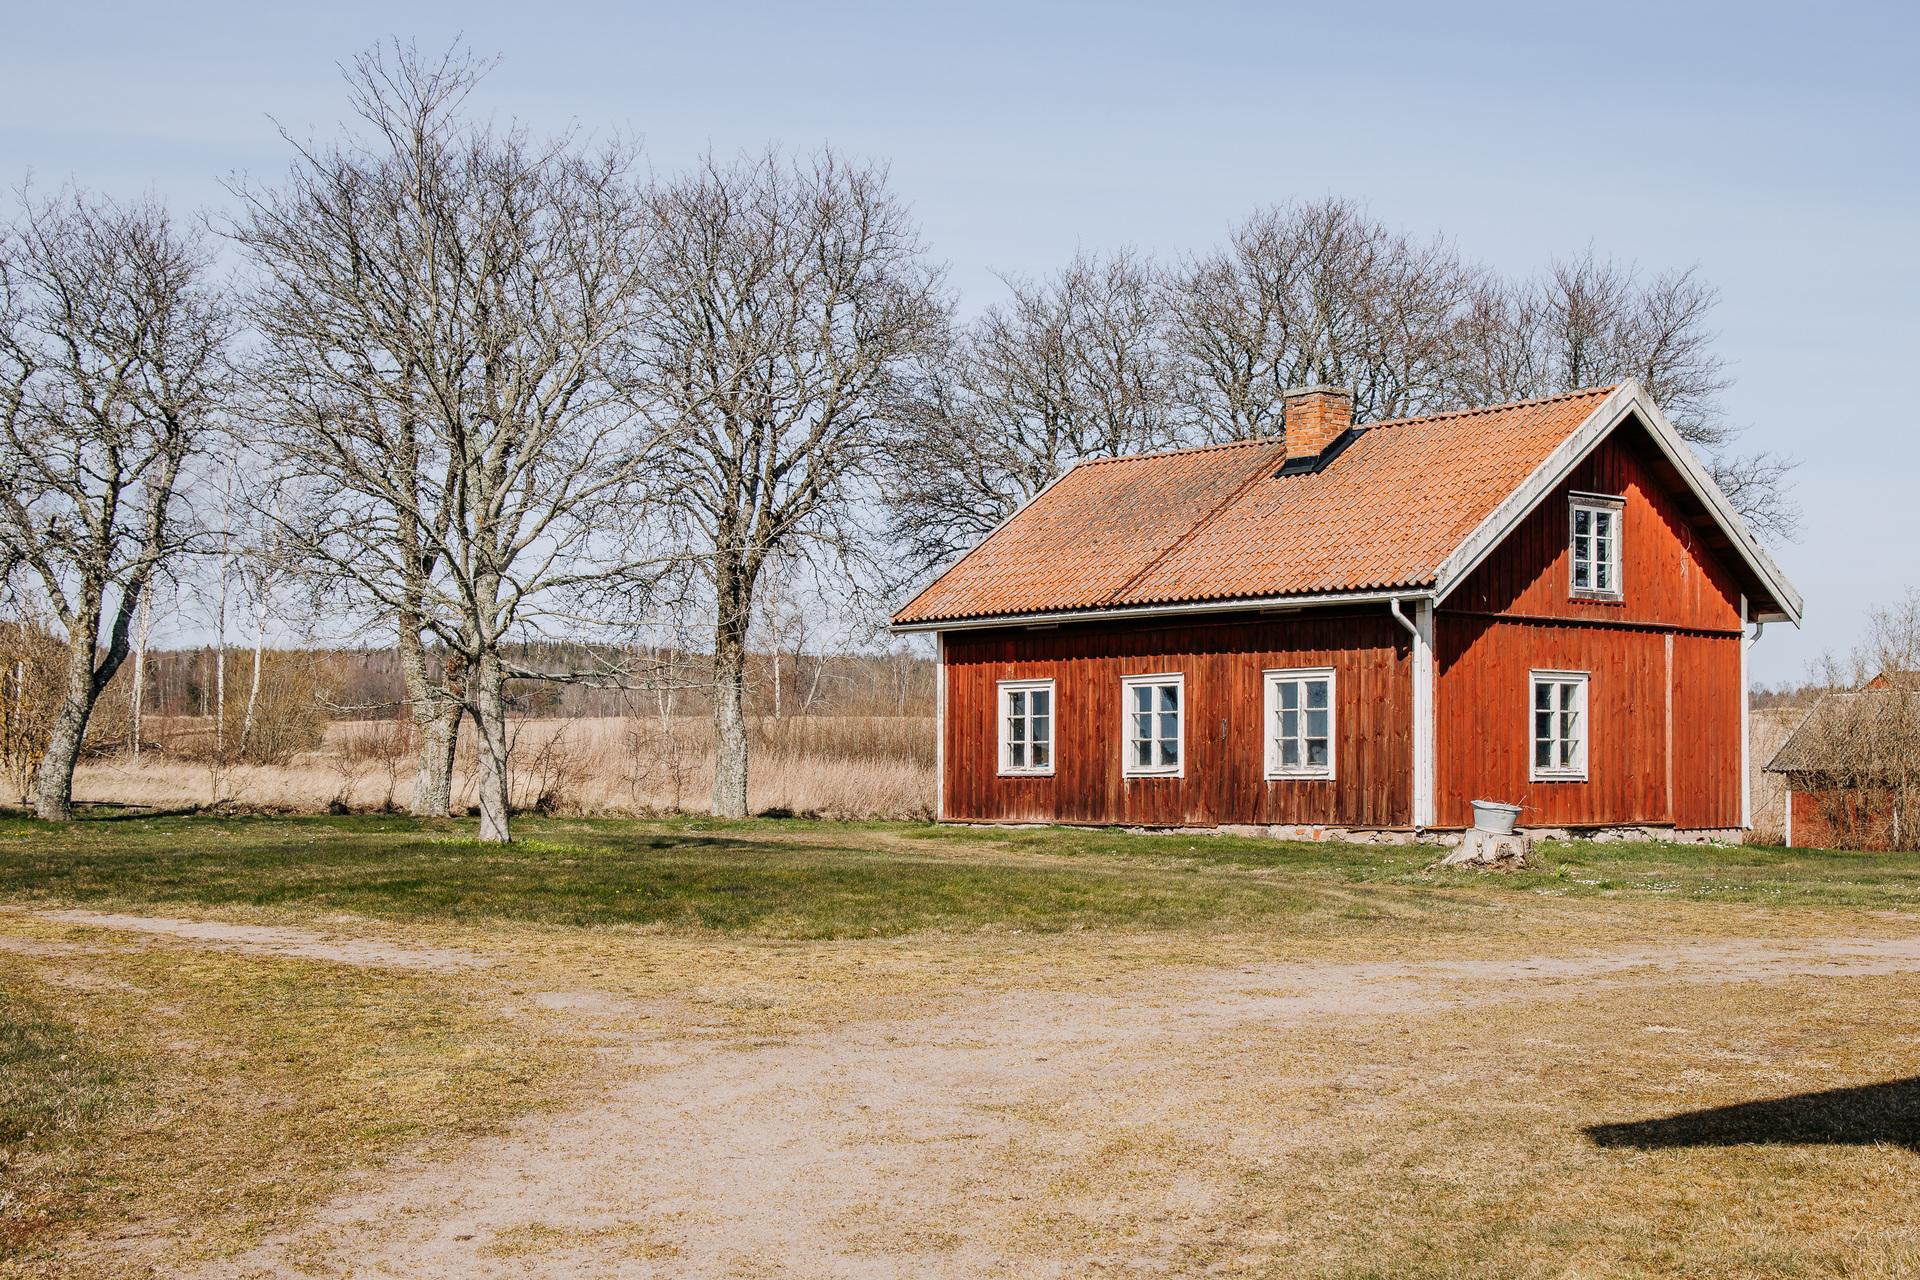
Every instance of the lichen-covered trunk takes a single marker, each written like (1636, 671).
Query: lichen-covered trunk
(53, 781)
(489, 700)
(436, 725)
(729, 704)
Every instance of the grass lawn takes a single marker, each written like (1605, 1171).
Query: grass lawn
(163, 1101)
(821, 880)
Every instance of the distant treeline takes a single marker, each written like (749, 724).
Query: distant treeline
(367, 684)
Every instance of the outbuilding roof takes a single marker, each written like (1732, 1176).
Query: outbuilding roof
(1865, 735)
(1402, 504)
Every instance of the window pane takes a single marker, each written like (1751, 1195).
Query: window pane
(1317, 753)
(1542, 696)
(1289, 724)
(1582, 574)
(1016, 702)
(1143, 727)
(1289, 753)
(1142, 754)
(1316, 693)
(1169, 727)
(1543, 755)
(1543, 725)
(1042, 730)
(1017, 755)
(1582, 522)
(1169, 697)
(1289, 694)
(1041, 699)
(1143, 697)
(1316, 724)
(1169, 754)
(1040, 754)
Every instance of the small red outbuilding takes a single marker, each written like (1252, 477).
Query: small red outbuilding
(1363, 626)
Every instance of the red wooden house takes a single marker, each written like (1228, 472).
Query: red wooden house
(1369, 626)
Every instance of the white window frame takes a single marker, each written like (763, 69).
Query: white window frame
(1577, 771)
(1597, 507)
(1002, 717)
(1128, 768)
(1272, 682)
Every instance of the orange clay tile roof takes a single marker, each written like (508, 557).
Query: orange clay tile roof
(1220, 523)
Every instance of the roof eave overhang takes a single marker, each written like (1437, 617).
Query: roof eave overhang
(1629, 399)
(1175, 609)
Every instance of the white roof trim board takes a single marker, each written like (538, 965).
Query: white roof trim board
(1628, 399)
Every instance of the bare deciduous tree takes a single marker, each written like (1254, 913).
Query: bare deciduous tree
(791, 308)
(443, 310)
(1068, 368)
(1588, 321)
(112, 373)
(1315, 293)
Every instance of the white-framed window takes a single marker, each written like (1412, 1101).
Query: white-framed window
(1153, 709)
(1300, 713)
(1559, 726)
(1026, 726)
(1595, 544)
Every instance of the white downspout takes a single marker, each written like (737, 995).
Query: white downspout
(940, 726)
(1746, 718)
(1420, 627)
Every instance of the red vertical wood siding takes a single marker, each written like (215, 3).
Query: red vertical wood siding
(1670, 575)
(1224, 778)
(1482, 700)
(1663, 663)
(1868, 819)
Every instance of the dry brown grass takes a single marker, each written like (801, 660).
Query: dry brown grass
(829, 766)
(1124, 1103)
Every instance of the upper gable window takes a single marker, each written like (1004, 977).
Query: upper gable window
(1596, 546)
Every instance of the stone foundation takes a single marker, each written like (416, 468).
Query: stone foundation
(1316, 834)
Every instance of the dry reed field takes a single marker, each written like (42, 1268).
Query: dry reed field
(826, 766)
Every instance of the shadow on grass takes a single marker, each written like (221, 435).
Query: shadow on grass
(1858, 1116)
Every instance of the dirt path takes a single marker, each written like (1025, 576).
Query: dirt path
(274, 940)
(895, 1148)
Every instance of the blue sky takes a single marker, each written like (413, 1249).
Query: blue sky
(1775, 146)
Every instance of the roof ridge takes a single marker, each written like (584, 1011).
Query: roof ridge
(1253, 477)
(1468, 412)
(1471, 411)
(1175, 453)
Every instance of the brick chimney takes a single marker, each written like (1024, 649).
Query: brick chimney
(1313, 418)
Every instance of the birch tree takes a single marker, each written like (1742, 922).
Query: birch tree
(791, 311)
(112, 375)
(443, 307)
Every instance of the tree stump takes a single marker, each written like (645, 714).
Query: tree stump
(1485, 849)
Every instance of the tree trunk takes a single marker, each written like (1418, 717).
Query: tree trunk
(140, 674)
(53, 784)
(489, 702)
(253, 682)
(729, 712)
(436, 727)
